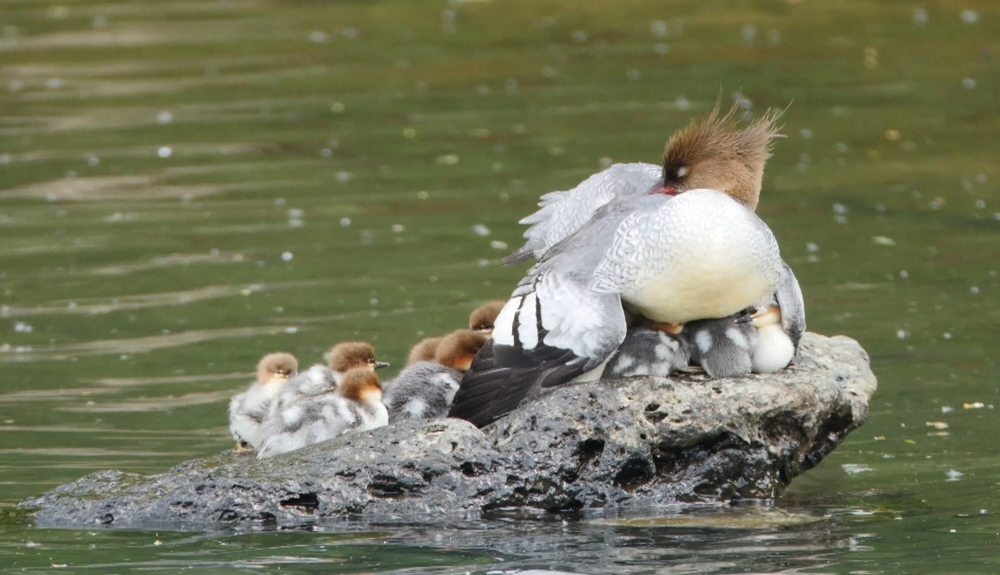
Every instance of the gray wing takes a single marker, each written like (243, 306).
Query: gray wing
(793, 307)
(553, 329)
(563, 213)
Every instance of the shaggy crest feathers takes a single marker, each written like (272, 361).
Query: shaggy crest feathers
(483, 317)
(714, 146)
(276, 364)
(350, 354)
(458, 348)
(361, 384)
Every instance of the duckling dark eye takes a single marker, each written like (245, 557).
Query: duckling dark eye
(371, 360)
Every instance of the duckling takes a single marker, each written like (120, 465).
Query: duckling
(648, 351)
(248, 409)
(320, 379)
(483, 317)
(424, 351)
(686, 248)
(481, 320)
(356, 405)
(722, 347)
(426, 389)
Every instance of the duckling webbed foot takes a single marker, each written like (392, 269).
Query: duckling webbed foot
(242, 447)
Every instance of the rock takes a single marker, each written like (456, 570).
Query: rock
(630, 442)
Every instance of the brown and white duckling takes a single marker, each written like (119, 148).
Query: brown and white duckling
(355, 405)
(483, 317)
(480, 320)
(426, 389)
(319, 379)
(248, 409)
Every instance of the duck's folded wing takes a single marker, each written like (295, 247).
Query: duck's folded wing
(552, 330)
(793, 307)
(563, 213)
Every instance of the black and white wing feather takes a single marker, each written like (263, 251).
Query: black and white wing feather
(793, 307)
(553, 329)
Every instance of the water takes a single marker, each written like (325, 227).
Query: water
(185, 186)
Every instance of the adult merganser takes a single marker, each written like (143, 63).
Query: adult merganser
(481, 320)
(320, 379)
(688, 248)
(425, 390)
(356, 405)
(248, 409)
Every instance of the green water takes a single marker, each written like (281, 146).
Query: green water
(187, 185)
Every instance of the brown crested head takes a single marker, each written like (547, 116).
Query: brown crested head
(276, 366)
(361, 384)
(353, 354)
(424, 351)
(714, 153)
(483, 317)
(459, 348)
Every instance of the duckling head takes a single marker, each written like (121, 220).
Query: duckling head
(276, 367)
(482, 318)
(361, 384)
(714, 153)
(353, 355)
(459, 348)
(424, 351)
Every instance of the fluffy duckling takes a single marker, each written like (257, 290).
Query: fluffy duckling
(426, 389)
(648, 351)
(483, 317)
(356, 405)
(424, 351)
(248, 409)
(480, 320)
(320, 379)
(722, 347)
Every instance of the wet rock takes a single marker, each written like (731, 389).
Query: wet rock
(630, 442)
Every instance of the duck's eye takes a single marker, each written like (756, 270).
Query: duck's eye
(371, 360)
(682, 171)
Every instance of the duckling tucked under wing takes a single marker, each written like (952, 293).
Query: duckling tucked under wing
(424, 390)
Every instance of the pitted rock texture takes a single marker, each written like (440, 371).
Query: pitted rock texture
(629, 442)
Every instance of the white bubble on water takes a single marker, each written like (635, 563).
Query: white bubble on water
(21, 327)
(326, 152)
(165, 117)
(53, 83)
(498, 245)
(947, 409)
(682, 103)
(480, 230)
(974, 290)
(748, 33)
(287, 256)
(164, 152)
(970, 16)
(344, 176)
(658, 28)
(920, 16)
(806, 133)
(317, 37)
(904, 274)
(397, 228)
(632, 74)
(969, 83)
(295, 213)
(901, 333)
(345, 221)
(953, 475)
(946, 335)
(5, 158)
(279, 201)
(296, 223)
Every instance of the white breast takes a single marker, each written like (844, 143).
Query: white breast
(703, 256)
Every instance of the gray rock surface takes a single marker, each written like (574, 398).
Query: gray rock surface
(630, 442)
